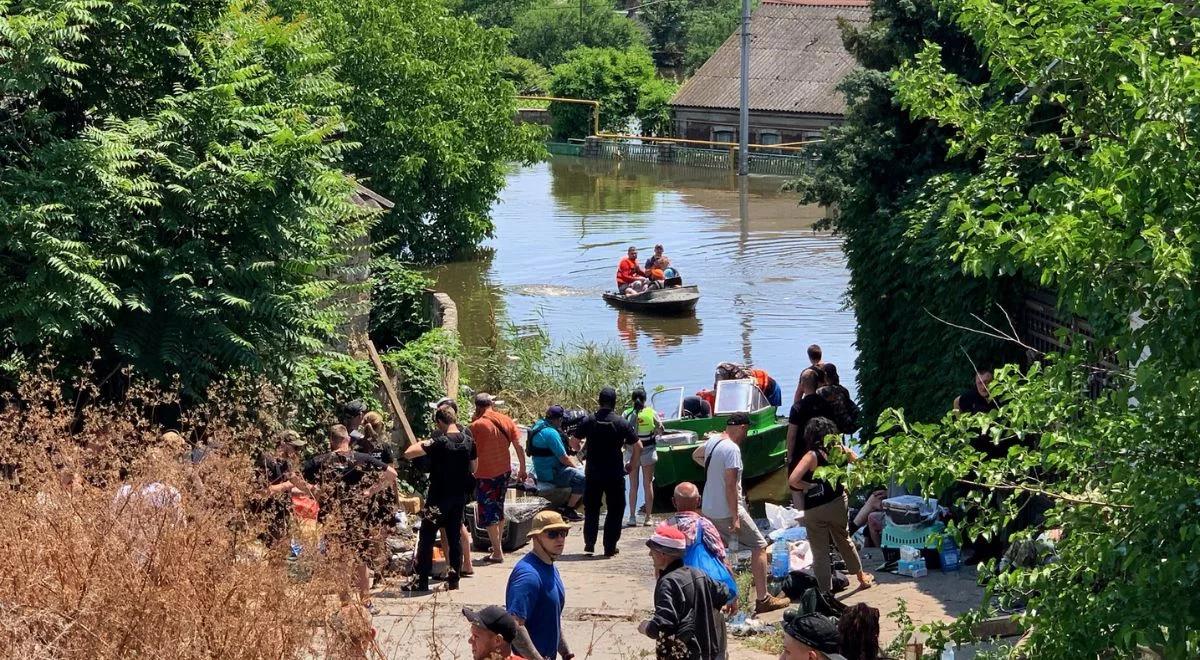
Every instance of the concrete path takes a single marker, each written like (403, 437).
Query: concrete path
(606, 598)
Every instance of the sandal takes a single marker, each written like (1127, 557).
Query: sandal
(492, 560)
(866, 581)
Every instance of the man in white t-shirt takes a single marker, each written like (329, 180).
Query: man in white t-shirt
(723, 504)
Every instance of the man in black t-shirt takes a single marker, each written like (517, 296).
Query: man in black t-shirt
(977, 399)
(810, 405)
(276, 469)
(345, 482)
(605, 434)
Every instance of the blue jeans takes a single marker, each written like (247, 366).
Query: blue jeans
(570, 476)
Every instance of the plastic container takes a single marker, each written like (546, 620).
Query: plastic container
(919, 536)
(948, 556)
(780, 559)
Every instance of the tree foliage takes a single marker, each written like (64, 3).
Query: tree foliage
(685, 33)
(545, 33)
(399, 303)
(618, 79)
(1085, 176)
(874, 168)
(170, 186)
(527, 76)
(433, 115)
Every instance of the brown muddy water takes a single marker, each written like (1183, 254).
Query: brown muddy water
(769, 284)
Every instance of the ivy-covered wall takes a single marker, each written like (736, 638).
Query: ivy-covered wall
(873, 168)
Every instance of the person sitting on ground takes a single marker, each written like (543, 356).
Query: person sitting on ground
(695, 527)
(810, 637)
(871, 515)
(858, 633)
(825, 507)
(552, 463)
(535, 594)
(687, 621)
(630, 273)
(496, 635)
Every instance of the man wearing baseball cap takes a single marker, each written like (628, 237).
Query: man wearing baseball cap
(687, 621)
(551, 463)
(810, 637)
(496, 635)
(535, 595)
(724, 505)
(494, 432)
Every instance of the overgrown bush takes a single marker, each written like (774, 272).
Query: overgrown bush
(322, 383)
(618, 79)
(167, 567)
(419, 365)
(399, 303)
(530, 372)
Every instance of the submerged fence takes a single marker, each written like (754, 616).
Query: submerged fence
(641, 151)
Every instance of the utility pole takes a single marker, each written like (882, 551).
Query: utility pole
(744, 114)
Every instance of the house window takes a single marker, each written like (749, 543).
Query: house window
(769, 137)
(724, 134)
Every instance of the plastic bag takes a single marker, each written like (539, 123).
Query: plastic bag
(698, 557)
(781, 517)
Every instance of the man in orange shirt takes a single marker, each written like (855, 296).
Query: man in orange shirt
(629, 271)
(494, 433)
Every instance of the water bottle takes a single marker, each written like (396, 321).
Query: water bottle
(780, 559)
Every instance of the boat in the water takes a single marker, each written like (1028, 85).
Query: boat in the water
(763, 452)
(671, 300)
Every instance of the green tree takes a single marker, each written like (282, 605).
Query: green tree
(527, 76)
(399, 303)
(653, 109)
(491, 13)
(615, 78)
(170, 187)
(685, 33)
(1084, 139)
(545, 33)
(901, 282)
(433, 115)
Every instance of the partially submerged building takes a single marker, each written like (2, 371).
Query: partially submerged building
(797, 60)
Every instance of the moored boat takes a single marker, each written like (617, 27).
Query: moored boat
(671, 300)
(763, 452)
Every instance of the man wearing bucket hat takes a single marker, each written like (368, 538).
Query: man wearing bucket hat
(687, 621)
(535, 593)
(810, 637)
(496, 635)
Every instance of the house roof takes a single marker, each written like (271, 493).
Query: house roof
(796, 60)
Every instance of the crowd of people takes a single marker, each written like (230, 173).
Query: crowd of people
(590, 456)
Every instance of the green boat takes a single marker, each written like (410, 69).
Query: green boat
(763, 452)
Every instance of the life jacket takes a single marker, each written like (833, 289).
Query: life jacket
(710, 396)
(762, 379)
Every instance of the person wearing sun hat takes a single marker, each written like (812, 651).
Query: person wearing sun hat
(535, 594)
(810, 637)
(687, 621)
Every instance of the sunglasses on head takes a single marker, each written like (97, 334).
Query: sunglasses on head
(556, 534)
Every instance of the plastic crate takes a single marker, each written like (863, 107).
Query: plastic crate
(915, 536)
(513, 534)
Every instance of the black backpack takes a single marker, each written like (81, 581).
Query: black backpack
(844, 411)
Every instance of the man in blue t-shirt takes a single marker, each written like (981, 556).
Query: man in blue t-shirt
(535, 593)
(551, 463)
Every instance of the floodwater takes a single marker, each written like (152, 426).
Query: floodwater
(769, 284)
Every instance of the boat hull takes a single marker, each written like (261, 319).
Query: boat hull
(763, 452)
(676, 300)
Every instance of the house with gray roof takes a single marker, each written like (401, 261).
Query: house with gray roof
(797, 60)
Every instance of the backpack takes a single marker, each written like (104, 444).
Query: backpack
(844, 411)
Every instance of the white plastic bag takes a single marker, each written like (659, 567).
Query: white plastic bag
(781, 517)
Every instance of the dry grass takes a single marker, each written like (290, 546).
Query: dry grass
(85, 573)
